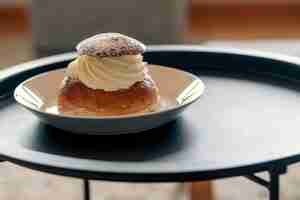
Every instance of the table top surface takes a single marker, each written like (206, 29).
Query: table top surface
(242, 124)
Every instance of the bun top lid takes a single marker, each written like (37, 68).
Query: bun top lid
(110, 45)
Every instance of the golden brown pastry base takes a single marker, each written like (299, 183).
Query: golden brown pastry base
(77, 99)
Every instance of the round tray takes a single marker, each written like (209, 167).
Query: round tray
(246, 122)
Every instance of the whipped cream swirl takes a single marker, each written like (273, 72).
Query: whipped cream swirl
(108, 73)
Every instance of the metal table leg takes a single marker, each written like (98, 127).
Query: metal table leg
(273, 185)
(86, 189)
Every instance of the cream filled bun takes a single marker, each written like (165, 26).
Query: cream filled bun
(109, 77)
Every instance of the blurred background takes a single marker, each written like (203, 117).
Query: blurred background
(31, 29)
(49, 27)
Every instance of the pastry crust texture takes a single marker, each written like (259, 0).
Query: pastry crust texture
(77, 99)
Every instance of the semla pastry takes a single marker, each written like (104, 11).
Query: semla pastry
(108, 78)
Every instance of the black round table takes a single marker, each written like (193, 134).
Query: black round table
(246, 122)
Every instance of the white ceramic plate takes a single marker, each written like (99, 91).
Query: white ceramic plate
(177, 90)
